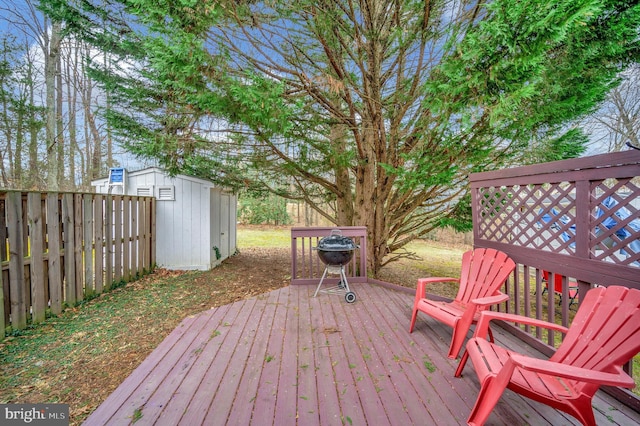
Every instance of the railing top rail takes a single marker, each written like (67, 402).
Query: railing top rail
(322, 231)
(595, 165)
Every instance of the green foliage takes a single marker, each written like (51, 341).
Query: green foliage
(460, 218)
(531, 67)
(568, 145)
(267, 209)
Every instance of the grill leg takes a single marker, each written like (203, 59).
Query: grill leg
(324, 274)
(344, 279)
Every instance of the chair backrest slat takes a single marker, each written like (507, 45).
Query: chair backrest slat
(484, 270)
(605, 332)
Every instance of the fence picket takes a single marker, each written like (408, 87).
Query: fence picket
(77, 246)
(108, 240)
(87, 234)
(53, 253)
(98, 254)
(126, 238)
(4, 262)
(117, 231)
(142, 240)
(38, 282)
(68, 243)
(135, 230)
(3, 320)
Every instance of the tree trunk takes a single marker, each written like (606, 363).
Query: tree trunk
(34, 128)
(51, 62)
(72, 73)
(59, 124)
(19, 128)
(6, 127)
(108, 141)
(94, 154)
(365, 200)
(344, 199)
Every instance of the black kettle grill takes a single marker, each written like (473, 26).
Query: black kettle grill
(335, 251)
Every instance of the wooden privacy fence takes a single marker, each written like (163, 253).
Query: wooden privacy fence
(577, 222)
(57, 249)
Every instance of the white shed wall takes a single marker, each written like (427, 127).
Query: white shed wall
(189, 225)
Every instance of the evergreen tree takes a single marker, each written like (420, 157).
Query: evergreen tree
(374, 112)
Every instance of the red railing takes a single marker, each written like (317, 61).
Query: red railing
(306, 267)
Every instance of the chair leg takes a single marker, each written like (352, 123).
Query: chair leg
(572, 300)
(457, 340)
(414, 316)
(463, 361)
(583, 411)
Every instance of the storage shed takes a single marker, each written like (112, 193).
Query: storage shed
(195, 220)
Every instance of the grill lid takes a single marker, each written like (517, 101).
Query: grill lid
(336, 242)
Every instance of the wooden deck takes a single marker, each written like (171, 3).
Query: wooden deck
(286, 358)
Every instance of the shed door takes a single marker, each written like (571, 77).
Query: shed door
(225, 229)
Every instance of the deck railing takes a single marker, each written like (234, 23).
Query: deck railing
(59, 249)
(575, 219)
(306, 266)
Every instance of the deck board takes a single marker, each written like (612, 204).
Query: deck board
(286, 358)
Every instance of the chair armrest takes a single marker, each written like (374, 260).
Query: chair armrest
(421, 287)
(491, 300)
(481, 304)
(619, 378)
(485, 316)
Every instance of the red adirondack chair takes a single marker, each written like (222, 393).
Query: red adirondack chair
(603, 336)
(484, 270)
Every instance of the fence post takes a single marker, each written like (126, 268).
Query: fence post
(17, 294)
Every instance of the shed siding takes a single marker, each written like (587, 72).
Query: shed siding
(189, 226)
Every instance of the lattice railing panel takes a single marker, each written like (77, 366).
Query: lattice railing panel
(615, 221)
(535, 216)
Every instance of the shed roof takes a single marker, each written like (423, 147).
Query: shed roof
(154, 169)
